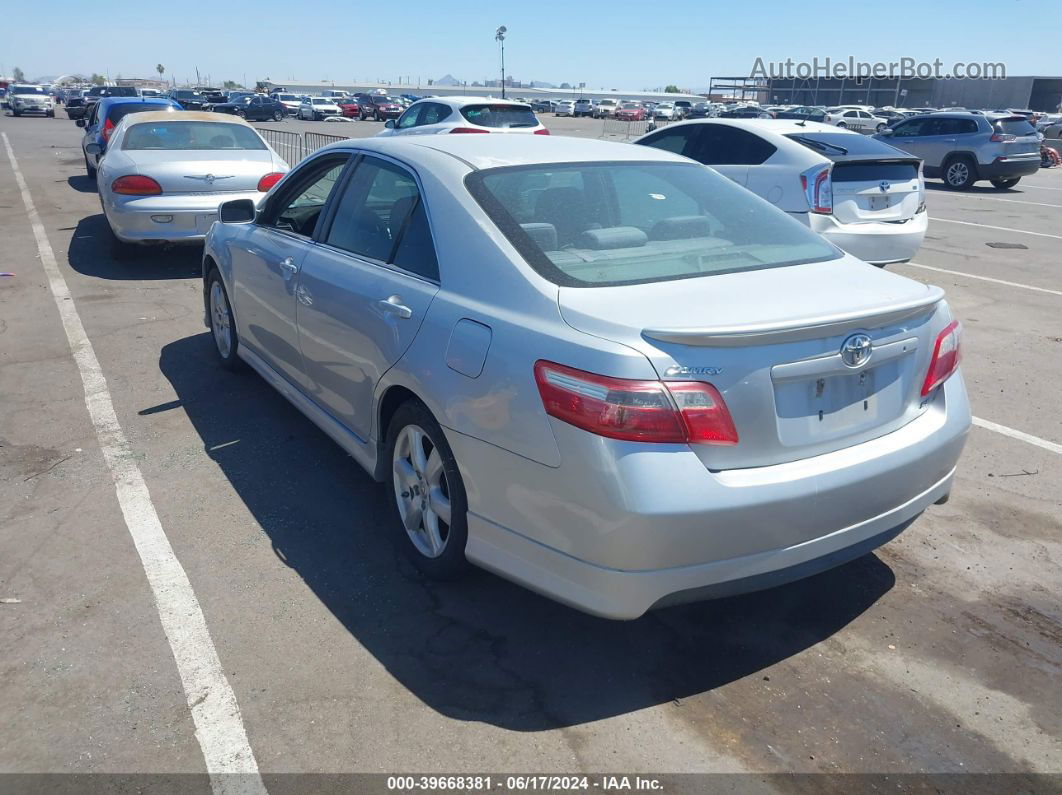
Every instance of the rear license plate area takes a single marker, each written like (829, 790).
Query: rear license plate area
(204, 221)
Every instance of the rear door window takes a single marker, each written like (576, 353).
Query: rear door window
(374, 209)
(723, 145)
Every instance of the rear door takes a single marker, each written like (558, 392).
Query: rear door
(913, 136)
(364, 289)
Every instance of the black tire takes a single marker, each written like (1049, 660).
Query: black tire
(90, 169)
(450, 563)
(278, 116)
(229, 359)
(880, 128)
(842, 125)
(959, 173)
(15, 112)
(242, 114)
(51, 114)
(1003, 184)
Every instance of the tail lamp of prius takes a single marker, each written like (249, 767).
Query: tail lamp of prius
(676, 412)
(818, 188)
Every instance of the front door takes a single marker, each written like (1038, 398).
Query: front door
(266, 262)
(364, 289)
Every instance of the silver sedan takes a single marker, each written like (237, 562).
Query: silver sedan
(603, 371)
(164, 175)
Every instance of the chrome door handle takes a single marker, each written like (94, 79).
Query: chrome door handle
(395, 306)
(288, 267)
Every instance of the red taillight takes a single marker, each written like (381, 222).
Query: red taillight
(543, 131)
(1002, 138)
(269, 180)
(108, 128)
(818, 189)
(676, 412)
(136, 185)
(946, 356)
(467, 130)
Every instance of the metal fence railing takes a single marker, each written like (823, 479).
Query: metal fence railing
(313, 141)
(287, 144)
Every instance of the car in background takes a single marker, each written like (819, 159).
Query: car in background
(631, 111)
(1047, 120)
(1053, 130)
(96, 93)
(318, 109)
(378, 107)
(447, 115)
(25, 98)
(214, 97)
(165, 173)
(564, 107)
(745, 112)
(254, 108)
(583, 107)
(75, 105)
(709, 397)
(889, 114)
(667, 111)
(605, 107)
(856, 119)
(700, 110)
(685, 106)
(152, 92)
(963, 148)
(106, 115)
(349, 107)
(861, 194)
(542, 106)
(188, 98)
(803, 113)
(3, 97)
(290, 102)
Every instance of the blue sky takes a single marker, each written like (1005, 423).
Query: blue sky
(615, 44)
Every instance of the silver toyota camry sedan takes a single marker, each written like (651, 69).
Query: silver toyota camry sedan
(164, 175)
(602, 371)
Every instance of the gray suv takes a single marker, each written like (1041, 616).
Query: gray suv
(962, 148)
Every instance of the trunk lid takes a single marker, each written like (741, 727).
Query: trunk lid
(178, 173)
(878, 190)
(770, 341)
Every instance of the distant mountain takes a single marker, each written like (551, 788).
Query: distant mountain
(448, 80)
(541, 84)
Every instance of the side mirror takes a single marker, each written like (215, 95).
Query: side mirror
(389, 124)
(887, 131)
(80, 122)
(237, 211)
(93, 149)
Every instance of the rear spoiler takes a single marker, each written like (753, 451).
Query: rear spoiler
(797, 329)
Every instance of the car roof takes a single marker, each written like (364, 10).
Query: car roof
(160, 101)
(482, 151)
(188, 115)
(462, 101)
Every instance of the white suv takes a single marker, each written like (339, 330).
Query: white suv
(605, 108)
(445, 115)
(23, 98)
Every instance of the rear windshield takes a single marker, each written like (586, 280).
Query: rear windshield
(1014, 127)
(120, 91)
(838, 144)
(188, 135)
(874, 172)
(285, 97)
(500, 115)
(118, 112)
(598, 224)
(187, 94)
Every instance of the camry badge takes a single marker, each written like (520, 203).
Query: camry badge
(677, 369)
(856, 350)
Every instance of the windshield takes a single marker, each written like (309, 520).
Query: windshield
(286, 97)
(188, 135)
(597, 224)
(504, 116)
(322, 101)
(27, 90)
(187, 94)
(383, 101)
(118, 112)
(630, 106)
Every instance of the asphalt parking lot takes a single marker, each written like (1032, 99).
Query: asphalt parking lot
(940, 653)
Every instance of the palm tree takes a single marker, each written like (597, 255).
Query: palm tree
(160, 69)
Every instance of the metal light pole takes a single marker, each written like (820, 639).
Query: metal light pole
(500, 38)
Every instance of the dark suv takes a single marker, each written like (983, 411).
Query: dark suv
(962, 148)
(377, 107)
(187, 98)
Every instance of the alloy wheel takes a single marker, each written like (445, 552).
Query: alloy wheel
(958, 173)
(421, 491)
(220, 319)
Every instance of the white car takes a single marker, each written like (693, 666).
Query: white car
(666, 110)
(465, 115)
(291, 102)
(165, 173)
(856, 119)
(861, 194)
(605, 108)
(564, 107)
(24, 98)
(318, 108)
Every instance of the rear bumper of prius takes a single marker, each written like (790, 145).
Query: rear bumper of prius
(875, 242)
(683, 532)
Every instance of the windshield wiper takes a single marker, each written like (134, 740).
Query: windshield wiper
(818, 144)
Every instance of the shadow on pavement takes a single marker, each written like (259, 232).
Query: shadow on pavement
(81, 183)
(481, 649)
(89, 253)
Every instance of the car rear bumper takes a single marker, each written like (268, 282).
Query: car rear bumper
(619, 535)
(877, 243)
(1010, 167)
(142, 219)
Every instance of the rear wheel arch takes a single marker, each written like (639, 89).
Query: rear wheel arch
(387, 405)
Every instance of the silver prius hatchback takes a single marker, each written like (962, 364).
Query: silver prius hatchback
(602, 371)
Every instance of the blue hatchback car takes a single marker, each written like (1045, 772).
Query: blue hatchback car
(104, 117)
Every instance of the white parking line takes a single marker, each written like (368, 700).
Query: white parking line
(999, 228)
(218, 724)
(994, 199)
(1020, 435)
(985, 278)
(1025, 185)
